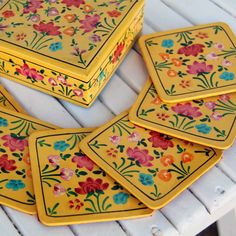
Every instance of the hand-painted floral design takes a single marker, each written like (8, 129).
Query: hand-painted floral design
(6, 164)
(61, 145)
(59, 190)
(146, 179)
(203, 118)
(160, 140)
(15, 184)
(195, 58)
(66, 173)
(14, 143)
(121, 198)
(83, 161)
(3, 122)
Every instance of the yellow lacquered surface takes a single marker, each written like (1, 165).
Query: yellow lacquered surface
(153, 167)
(7, 101)
(208, 121)
(15, 175)
(70, 188)
(191, 63)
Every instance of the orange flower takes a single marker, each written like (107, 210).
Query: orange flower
(162, 116)
(167, 160)
(29, 173)
(186, 157)
(202, 35)
(69, 31)
(171, 73)
(156, 101)
(164, 175)
(88, 8)
(176, 62)
(184, 83)
(70, 18)
(164, 56)
(26, 158)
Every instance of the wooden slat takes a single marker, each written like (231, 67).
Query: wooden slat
(228, 5)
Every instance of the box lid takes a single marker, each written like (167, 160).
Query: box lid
(72, 36)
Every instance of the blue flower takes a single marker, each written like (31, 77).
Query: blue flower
(15, 184)
(102, 75)
(146, 179)
(167, 43)
(121, 198)
(3, 122)
(61, 146)
(227, 76)
(203, 128)
(55, 46)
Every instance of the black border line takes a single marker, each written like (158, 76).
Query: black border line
(42, 192)
(191, 134)
(66, 62)
(160, 80)
(8, 102)
(125, 116)
(14, 200)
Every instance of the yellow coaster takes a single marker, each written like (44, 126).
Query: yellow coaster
(70, 188)
(15, 172)
(201, 121)
(191, 63)
(154, 167)
(7, 101)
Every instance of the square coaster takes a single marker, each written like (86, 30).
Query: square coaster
(70, 188)
(15, 173)
(191, 63)
(7, 101)
(154, 167)
(201, 121)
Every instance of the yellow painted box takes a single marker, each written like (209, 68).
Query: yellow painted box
(66, 48)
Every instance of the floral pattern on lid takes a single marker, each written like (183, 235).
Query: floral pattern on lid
(71, 187)
(154, 167)
(191, 63)
(201, 121)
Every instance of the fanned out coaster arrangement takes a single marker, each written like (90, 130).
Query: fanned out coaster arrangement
(142, 159)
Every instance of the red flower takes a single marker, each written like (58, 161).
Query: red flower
(89, 23)
(159, 140)
(8, 14)
(118, 52)
(114, 13)
(140, 155)
(5, 164)
(186, 109)
(75, 3)
(47, 28)
(91, 185)
(29, 72)
(32, 6)
(192, 50)
(83, 161)
(199, 67)
(14, 143)
(167, 160)
(77, 204)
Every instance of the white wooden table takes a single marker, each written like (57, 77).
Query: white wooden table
(205, 202)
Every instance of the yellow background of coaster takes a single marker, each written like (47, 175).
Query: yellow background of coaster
(154, 167)
(57, 170)
(208, 121)
(174, 58)
(15, 172)
(7, 101)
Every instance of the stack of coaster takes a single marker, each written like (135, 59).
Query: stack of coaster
(142, 159)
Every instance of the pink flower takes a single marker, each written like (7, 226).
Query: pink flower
(199, 67)
(14, 143)
(134, 137)
(115, 139)
(192, 50)
(53, 11)
(210, 105)
(160, 140)
(186, 109)
(32, 6)
(75, 3)
(216, 116)
(83, 161)
(140, 155)
(52, 81)
(54, 160)
(58, 190)
(35, 18)
(78, 92)
(226, 63)
(3, 27)
(47, 28)
(66, 173)
(212, 56)
(62, 80)
(28, 72)
(89, 23)
(225, 97)
(219, 46)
